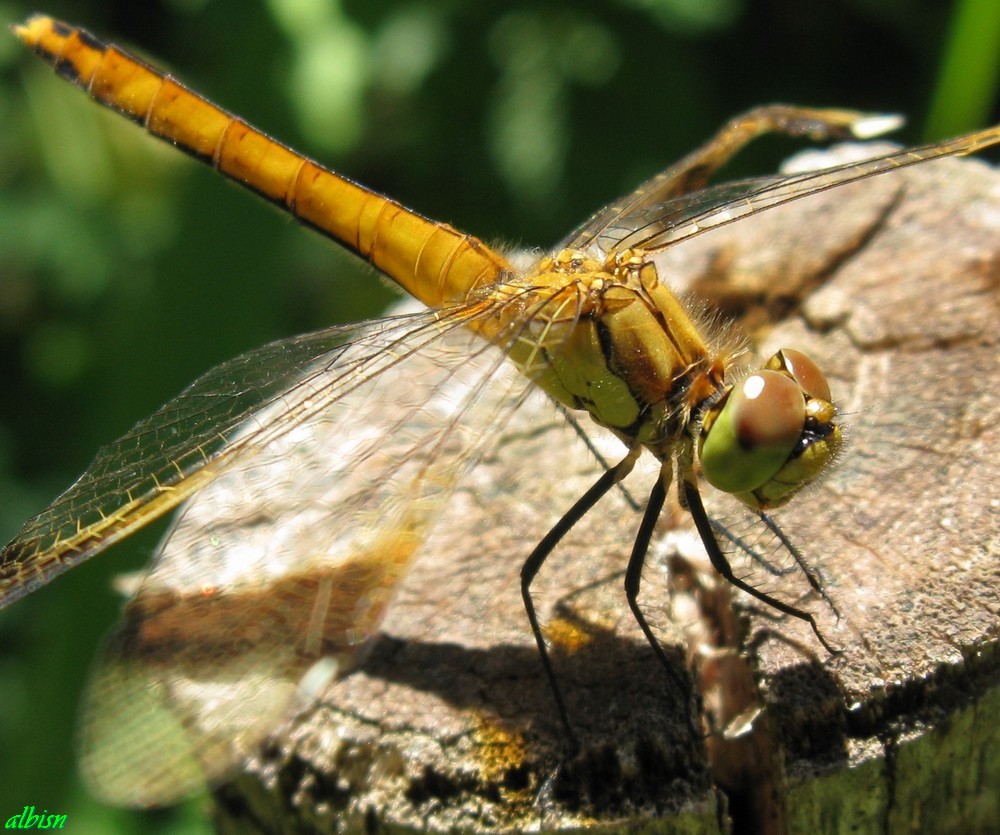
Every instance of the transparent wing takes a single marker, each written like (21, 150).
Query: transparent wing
(277, 571)
(230, 413)
(312, 470)
(643, 221)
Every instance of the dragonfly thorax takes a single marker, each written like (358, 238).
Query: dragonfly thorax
(609, 338)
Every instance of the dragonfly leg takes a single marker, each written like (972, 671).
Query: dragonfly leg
(581, 433)
(692, 499)
(538, 556)
(751, 551)
(633, 580)
(812, 576)
(693, 171)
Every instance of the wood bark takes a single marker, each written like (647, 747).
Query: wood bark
(893, 286)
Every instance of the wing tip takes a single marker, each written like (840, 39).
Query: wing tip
(876, 124)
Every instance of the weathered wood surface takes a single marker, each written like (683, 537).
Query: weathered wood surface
(893, 285)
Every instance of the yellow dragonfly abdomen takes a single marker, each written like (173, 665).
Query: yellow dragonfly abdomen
(431, 261)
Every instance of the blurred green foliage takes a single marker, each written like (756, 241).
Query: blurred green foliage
(967, 82)
(126, 269)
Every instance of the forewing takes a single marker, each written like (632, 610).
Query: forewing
(230, 413)
(644, 222)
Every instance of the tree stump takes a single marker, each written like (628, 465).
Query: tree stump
(893, 286)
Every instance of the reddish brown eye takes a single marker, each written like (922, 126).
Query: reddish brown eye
(806, 373)
(756, 431)
(770, 412)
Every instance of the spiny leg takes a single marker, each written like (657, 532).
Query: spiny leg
(750, 550)
(692, 500)
(811, 574)
(633, 580)
(538, 556)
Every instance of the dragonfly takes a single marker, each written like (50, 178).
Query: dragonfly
(294, 433)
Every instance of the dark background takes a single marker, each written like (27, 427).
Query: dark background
(126, 269)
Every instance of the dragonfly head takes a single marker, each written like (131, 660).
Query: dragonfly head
(771, 434)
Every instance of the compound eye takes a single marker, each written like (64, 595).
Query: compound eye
(754, 434)
(804, 371)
